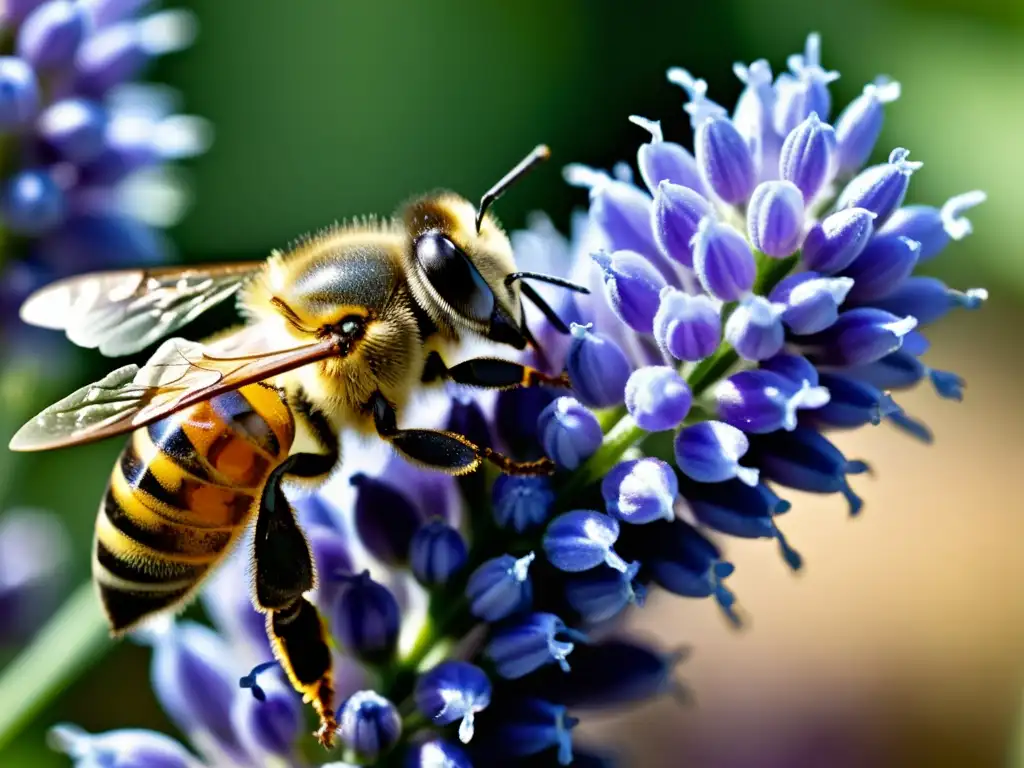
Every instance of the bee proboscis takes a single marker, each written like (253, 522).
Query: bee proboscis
(340, 332)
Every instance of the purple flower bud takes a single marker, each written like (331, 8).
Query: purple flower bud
(797, 97)
(851, 404)
(832, 245)
(755, 328)
(569, 433)
(14, 11)
(270, 722)
(632, 286)
(883, 266)
(928, 299)
(615, 673)
(806, 158)
(583, 539)
(775, 218)
(106, 12)
(661, 160)
(934, 227)
(737, 509)
(50, 36)
(723, 260)
(812, 301)
(34, 553)
(806, 461)
(710, 452)
(859, 336)
(435, 753)
(881, 188)
(521, 503)
(687, 327)
(366, 619)
(699, 107)
(453, 690)
(528, 726)
(369, 725)
(678, 211)
(436, 553)
(74, 128)
(101, 241)
(640, 491)
(602, 594)
(621, 211)
(467, 418)
(761, 401)
(753, 115)
(657, 398)
(597, 367)
(687, 564)
(385, 519)
(725, 160)
(19, 94)
(194, 681)
(333, 562)
(530, 643)
(500, 587)
(31, 203)
(796, 368)
(117, 53)
(897, 370)
(860, 124)
(129, 747)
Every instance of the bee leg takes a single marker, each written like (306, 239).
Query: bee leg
(491, 373)
(447, 451)
(283, 572)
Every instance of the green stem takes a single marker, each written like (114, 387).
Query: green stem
(622, 436)
(69, 643)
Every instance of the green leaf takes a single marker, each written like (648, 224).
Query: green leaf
(71, 642)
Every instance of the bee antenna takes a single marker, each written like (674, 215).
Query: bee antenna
(539, 154)
(551, 279)
(538, 301)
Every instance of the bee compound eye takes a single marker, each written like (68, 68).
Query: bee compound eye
(452, 275)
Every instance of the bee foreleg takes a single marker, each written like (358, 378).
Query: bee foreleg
(283, 568)
(491, 373)
(446, 451)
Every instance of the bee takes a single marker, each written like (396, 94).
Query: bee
(339, 333)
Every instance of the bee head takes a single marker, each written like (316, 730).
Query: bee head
(462, 267)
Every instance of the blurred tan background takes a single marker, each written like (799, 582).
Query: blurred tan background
(902, 643)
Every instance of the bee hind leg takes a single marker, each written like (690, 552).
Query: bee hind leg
(283, 572)
(446, 451)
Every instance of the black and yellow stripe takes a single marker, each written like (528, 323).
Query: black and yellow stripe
(183, 490)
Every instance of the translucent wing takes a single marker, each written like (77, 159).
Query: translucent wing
(179, 374)
(124, 311)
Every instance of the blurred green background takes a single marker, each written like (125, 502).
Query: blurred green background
(903, 643)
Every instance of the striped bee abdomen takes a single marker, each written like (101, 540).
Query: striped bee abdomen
(182, 492)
